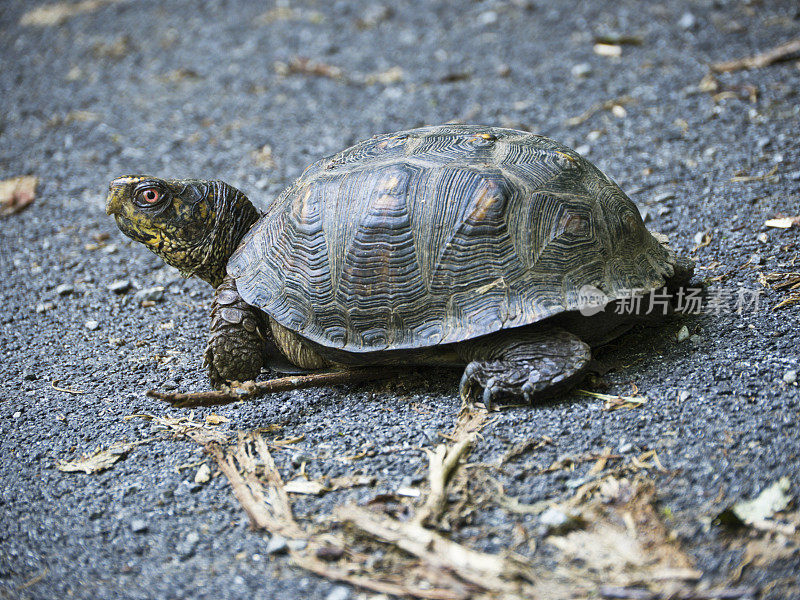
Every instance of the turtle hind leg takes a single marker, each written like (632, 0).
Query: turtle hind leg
(523, 365)
(238, 341)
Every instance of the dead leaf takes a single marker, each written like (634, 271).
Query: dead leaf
(215, 419)
(55, 14)
(764, 506)
(97, 461)
(16, 194)
(783, 222)
(306, 486)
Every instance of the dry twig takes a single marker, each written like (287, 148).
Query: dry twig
(607, 105)
(254, 389)
(758, 61)
(268, 509)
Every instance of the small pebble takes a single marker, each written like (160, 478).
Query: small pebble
(138, 526)
(277, 545)
(581, 70)
(65, 289)
(120, 286)
(790, 376)
(338, 592)
(625, 447)
(683, 334)
(44, 307)
(188, 546)
(91, 325)
(695, 339)
(203, 474)
(330, 553)
(763, 237)
(583, 149)
(687, 21)
(684, 395)
(557, 522)
(487, 18)
(151, 294)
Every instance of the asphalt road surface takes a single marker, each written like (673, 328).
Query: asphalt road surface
(222, 89)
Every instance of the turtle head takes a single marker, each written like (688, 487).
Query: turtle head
(193, 225)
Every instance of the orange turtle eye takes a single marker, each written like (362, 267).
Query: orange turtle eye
(150, 195)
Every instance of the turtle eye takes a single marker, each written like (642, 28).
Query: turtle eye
(149, 196)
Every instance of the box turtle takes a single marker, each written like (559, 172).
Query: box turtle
(449, 245)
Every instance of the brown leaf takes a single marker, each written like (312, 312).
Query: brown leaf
(16, 194)
(215, 419)
(97, 461)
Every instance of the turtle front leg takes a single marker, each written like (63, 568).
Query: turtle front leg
(527, 366)
(238, 340)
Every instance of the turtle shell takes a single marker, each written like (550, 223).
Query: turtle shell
(443, 234)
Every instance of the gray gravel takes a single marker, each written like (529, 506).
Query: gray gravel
(197, 88)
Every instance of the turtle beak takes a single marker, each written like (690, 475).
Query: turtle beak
(116, 194)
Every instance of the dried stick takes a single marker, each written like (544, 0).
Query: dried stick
(376, 585)
(487, 571)
(442, 464)
(759, 61)
(251, 497)
(252, 390)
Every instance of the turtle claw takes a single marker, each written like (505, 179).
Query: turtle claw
(527, 370)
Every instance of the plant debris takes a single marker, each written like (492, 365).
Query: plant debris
(611, 541)
(16, 194)
(783, 222)
(300, 65)
(611, 402)
(778, 53)
(185, 427)
(772, 174)
(306, 486)
(773, 499)
(783, 282)
(607, 105)
(55, 14)
(237, 392)
(97, 461)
